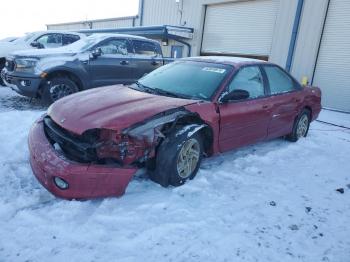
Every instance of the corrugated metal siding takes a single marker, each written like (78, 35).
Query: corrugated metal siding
(73, 26)
(103, 23)
(333, 67)
(282, 32)
(160, 12)
(240, 28)
(117, 23)
(308, 39)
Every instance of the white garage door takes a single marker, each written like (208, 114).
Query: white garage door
(332, 73)
(244, 28)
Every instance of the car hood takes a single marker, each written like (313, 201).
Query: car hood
(49, 52)
(113, 107)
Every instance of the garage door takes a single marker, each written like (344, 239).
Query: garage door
(332, 73)
(241, 28)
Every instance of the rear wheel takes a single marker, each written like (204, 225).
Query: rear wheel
(58, 88)
(301, 126)
(178, 158)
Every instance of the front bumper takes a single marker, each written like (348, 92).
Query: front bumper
(31, 87)
(84, 180)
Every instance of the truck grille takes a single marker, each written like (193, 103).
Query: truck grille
(10, 65)
(75, 147)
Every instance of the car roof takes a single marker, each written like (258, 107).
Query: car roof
(227, 60)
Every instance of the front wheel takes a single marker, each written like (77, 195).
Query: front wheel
(301, 126)
(178, 158)
(58, 88)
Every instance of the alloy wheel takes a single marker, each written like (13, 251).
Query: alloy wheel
(60, 91)
(188, 158)
(303, 125)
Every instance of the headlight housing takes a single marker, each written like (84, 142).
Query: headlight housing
(26, 64)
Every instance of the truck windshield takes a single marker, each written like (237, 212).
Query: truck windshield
(189, 79)
(83, 44)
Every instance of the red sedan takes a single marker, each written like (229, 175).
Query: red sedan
(90, 144)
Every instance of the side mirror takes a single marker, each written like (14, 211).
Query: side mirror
(37, 45)
(235, 95)
(96, 52)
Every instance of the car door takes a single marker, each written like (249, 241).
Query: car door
(246, 121)
(112, 65)
(148, 57)
(285, 100)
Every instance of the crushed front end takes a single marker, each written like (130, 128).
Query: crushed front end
(68, 167)
(97, 163)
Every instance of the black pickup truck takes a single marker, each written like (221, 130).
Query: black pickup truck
(98, 60)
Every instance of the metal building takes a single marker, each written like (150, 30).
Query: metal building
(310, 38)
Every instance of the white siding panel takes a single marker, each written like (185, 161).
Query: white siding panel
(240, 28)
(333, 67)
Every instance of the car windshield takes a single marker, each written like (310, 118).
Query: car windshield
(24, 38)
(187, 79)
(83, 44)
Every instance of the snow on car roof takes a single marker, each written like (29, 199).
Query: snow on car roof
(227, 59)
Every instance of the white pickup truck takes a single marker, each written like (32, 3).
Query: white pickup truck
(43, 39)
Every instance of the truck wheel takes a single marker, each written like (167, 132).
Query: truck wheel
(2, 65)
(178, 158)
(301, 126)
(57, 88)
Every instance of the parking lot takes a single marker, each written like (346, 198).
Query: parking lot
(268, 202)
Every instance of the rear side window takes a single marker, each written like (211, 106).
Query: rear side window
(249, 79)
(145, 48)
(279, 81)
(69, 39)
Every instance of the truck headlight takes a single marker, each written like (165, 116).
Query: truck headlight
(26, 65)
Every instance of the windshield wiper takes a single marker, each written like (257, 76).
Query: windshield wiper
(159, 91)
(168, 93)
(143, 88)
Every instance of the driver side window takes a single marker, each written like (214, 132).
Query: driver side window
(249, 79)
(115, 47)
(50, 40)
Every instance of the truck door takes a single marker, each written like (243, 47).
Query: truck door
(113, 65)
(148, 57)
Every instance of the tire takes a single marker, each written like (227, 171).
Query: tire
(170, 161)
(300, 127)
(58, 88)
(2, 65)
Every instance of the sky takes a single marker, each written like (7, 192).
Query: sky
(23, 16)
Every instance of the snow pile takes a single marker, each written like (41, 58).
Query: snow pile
(274, 201)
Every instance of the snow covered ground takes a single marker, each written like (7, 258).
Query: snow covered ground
(274, 201)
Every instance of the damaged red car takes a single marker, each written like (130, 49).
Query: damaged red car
(90, 144)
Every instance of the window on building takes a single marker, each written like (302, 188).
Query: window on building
(279, 81)
(249, 79)
(146, 48)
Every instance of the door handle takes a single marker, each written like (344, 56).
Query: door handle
(297, 100)
(265, 106)
(124, 62)
(154, 63)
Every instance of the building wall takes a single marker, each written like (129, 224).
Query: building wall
(101, 23)
(309, 36)
(191, 13)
